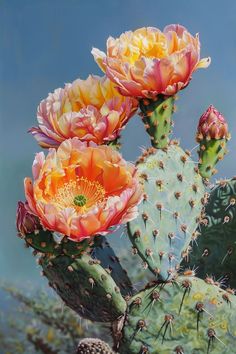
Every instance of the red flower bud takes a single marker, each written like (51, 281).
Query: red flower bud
(26, 222)
(212, 125)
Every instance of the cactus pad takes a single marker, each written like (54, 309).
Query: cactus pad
(85, 287)
(210, 153)
(214, 254)
(156, 115)
(103, 252)
(168, 215)
(43, 241)
(185, 316)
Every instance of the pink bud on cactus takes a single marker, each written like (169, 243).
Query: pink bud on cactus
(212, 125)
(26, 222)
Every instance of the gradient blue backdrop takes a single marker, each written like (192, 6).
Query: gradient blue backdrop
(45, 43)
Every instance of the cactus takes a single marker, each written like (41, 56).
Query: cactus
(214, 252)
(93, 346)
(156, 115)
(85, 287)
(176, 312)
(183, 316)
(212, 136)
(168, 215)
(43, 241)
(103, 252)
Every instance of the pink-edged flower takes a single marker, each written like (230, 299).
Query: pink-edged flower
(91, 109)
(148, 62)
(81, 190)
(212, 125)
(26, 222)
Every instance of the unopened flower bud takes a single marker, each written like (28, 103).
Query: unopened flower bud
(26, 222)
(212, 125)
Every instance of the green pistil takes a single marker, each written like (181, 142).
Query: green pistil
(80, 200)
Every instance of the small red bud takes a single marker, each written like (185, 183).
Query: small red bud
(212, 125)
(26, 223)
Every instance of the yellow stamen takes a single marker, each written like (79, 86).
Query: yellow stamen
(80, 194)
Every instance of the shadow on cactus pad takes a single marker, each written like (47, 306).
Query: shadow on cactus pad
(214, 253)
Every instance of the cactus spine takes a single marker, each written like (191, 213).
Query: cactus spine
(183, 316)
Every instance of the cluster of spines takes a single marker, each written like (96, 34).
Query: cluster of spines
(168, 319)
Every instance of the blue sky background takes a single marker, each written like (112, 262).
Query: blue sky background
(45, 43)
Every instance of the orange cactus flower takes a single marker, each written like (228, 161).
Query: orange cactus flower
(81, 190)
(148, 62)
(91, 109)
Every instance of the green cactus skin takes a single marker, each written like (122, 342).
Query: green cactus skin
(214, 253)
(156, 115)
(103, 252)
(93, 346)
(185, 316)
(168, 215)
(210, 152)
(85, 287)
(43, 242)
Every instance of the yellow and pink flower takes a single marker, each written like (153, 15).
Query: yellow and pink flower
(81, 190)
(148, 62)
(91, 109)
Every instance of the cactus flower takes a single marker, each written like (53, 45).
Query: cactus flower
(26, 222)
(91, 109)
(81, 190)
(212, 125)
(148, 62)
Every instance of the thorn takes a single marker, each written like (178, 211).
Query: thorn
(199, 308)
(206, 252)
(229, 252)
(155, 233)
(145, 218)
(178, 195)
(91, 282)
(141, 325)
(192, 203)
(186, 285)
(70, 269)
(179, 350)
(180, 177)
(137, 234)
(159, 183)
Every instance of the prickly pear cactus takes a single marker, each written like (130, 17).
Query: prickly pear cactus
(93, 346)
(156, 115)
(214, 253)
(85, 287)
(184, 316)
(44, 241)
(168, 215)
(103, 252)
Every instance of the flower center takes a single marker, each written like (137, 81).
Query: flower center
(80, 194)
(80, 200)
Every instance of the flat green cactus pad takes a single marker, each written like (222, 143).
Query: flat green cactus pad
(186, 316)
(214, 254)
(85, 287)
(168, 215)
